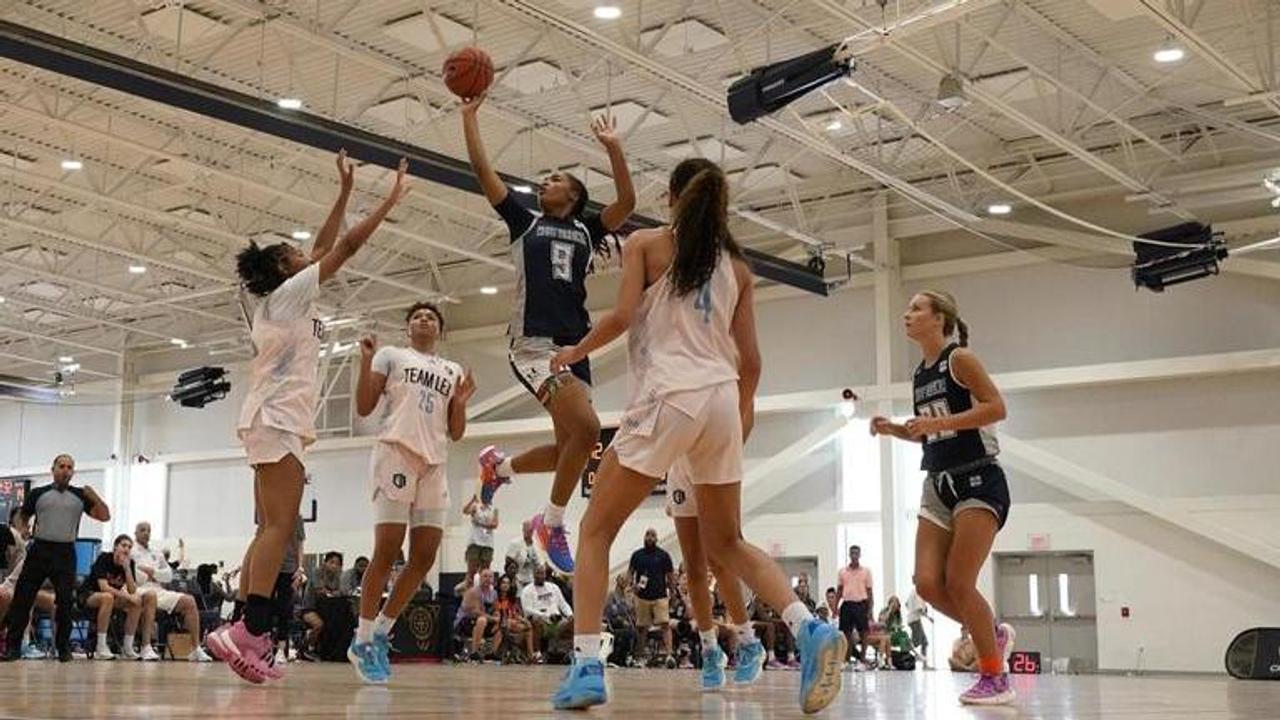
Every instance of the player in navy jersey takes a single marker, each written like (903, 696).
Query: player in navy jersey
(966, 497)
(552, 250)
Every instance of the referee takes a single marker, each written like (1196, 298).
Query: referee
(56, 509)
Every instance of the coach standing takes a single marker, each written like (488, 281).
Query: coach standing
(56, 509)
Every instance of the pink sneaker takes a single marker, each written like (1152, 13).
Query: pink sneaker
(243, 652)
(989, 690)
(1005, 636)
(774, 665)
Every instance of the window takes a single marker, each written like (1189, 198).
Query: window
(1033, 594)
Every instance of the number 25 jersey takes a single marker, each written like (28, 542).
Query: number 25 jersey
(419, 388)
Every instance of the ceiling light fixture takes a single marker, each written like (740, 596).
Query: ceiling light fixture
(834, 125)
(1169, 52)
(137, 269)
(72, 164)
(178, 342)
(488, 290)
(608, 12)
(999, 209)
(289, 103)
(527, 190)
(301, 235)
(64, 359)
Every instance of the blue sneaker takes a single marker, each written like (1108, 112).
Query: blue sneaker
(365, 660)
(713, 663)
(822, 651)
(583, 686)
(555, 543)
(751, 657)
(382, 651)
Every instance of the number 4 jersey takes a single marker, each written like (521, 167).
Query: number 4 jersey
(937, 393)
(552, 258)
(419, 388)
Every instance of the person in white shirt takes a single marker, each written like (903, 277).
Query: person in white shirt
(153, 574)
(479, 553)
(277, 418)
(525, 555)
(426, 408)
(549, 614)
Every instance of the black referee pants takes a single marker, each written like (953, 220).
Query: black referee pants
(54, 561)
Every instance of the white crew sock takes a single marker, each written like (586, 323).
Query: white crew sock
(102, 642)
(795, 616)
(708, 639)
(586, 647)
(504, 468)
(364, 631)
(127, 646)
(746, 633)
(383, 624)
(553, 515)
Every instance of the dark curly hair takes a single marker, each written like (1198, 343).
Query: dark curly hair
(700, 221)
(259, 267)
(435, 310)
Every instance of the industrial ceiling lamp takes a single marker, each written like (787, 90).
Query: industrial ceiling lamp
(1169, 52)
(951, 92)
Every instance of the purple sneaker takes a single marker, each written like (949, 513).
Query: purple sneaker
(989, 690)
(490, 458)
(555, 543)
(1005, 635)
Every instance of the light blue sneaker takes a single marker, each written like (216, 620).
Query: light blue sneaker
(382, 651)
(583, 686)
(713, 663)
(33, 652)
(822, 651)
(751, 657)
(364, 659)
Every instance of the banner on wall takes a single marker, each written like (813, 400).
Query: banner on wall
(593, 464)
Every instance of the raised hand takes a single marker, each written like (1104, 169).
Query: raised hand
(368, 345)
(401, 188)
(466, 386)
(346, 171)
(471, 105)
(605, 128)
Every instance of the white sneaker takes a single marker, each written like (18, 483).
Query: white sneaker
(149, 654)
(103, 654)
(199, 655)
(281, 657)
(130, 654)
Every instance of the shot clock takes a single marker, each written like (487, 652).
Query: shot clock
(1022, 662)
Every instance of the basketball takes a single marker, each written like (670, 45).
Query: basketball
(468, 72)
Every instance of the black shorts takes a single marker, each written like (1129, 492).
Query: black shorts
(949, 491)
(853, 616)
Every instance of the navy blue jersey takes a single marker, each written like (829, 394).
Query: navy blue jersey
(937, 393)
(552, 258)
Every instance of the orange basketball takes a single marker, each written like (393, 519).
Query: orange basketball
(468, 72)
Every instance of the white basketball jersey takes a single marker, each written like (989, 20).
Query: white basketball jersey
(418, 390)
(286, 336)
(678, 344)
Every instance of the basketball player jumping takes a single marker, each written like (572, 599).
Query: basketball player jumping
(552, 250)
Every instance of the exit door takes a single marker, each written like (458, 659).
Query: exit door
(1049, 600)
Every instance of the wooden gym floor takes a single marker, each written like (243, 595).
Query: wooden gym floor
(85, 689)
